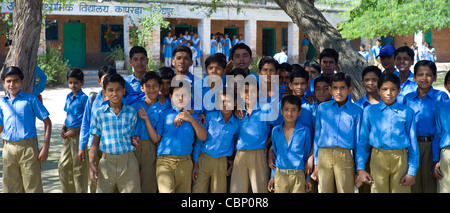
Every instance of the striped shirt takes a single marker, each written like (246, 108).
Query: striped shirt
(115, 131)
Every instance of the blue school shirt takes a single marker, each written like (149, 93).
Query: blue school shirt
(85, 137)
(154, 113)
(363, 102)
(442, 116)
(254, 130)
(167, 48)
(388, 127)
(133, 90)
(295, 154)
(424, 109)
(75, 109)
(408, 86)
(18, 116)
(337, 126)
(221, 136)
(395, 72)
(115, 131)
(177, 141)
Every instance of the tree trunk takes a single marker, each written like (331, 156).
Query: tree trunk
(323, 35)
(27, 19)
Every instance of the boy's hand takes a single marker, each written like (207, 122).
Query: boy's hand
(239, 113)
(202, 118)
(271, 185)
(363, 178)
(93, 174)
(63, 132)
(81, 155)
(309, 168)
(315, 175)
(43, 154)
(195, 171)
(134, 140)
(436, 171)
(69, 134)
(185, 116)
(312, 99)
(407, 180)
(308, 185)
(143, 114)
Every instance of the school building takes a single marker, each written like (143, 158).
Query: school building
(88, 30)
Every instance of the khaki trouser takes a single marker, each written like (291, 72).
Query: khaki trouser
(444, 183)
(212, 174)
(424, 182)
(289, 183)
(118, 172)
(146, 157)
(174, 173)
(336, 170)
(73, 173)
(387, 168)
(21, 166)
(250, 169)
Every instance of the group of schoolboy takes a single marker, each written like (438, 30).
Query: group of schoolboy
(141, 134)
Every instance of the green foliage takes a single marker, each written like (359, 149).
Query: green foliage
(115, 54)
(53, 65)
(140, 36)
(372, 18)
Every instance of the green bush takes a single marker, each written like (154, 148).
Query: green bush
(53, 65)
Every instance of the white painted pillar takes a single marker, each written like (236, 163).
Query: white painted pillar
(293, 43)
(126, 36)
(204, 33)
(419, 39)
(251, 28)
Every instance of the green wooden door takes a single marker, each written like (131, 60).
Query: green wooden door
(74, 44)
(268, 42)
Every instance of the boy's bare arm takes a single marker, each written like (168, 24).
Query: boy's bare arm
(93, 153)
(43, 154)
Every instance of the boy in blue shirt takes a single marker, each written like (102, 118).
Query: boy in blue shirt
(146, 150)
(388, 135)
(423, 101)
(21, 155)
(174, 164)
(165, 74)
(113, 126)
(73, 173)
(441, 147)
(336, 133)
(404, 59)
(211, 164)
(291, 143)
(370, 76)
(138, 61)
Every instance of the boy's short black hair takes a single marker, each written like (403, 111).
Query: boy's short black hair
(447, 77)
(322, 79)
(137, 49)
(238, 71)
(75, 73)
(299, 73)
(172, 88)
(165, 73)
(217, 58)
(292, 99)
(267, 60)
(106, 70)
(373, 69)
(389, 77)
(113, 78)
(240, 46)
(182, 49)
(149, 76)
(285, 66)
(313, 64)
(426, 63)
(296, 66)
(330, 53)
(406, 49)
(340, 76)
(12, 70)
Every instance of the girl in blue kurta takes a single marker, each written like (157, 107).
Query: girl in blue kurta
(196, 43)
(168, 43)
(213, 45)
